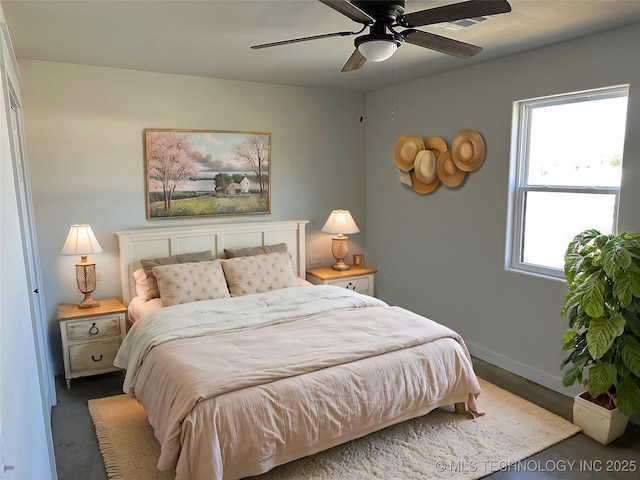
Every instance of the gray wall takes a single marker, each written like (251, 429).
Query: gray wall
(84, 130)
(443, 254)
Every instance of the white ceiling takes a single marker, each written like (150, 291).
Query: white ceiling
(212, 38)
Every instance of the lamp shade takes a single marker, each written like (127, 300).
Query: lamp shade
(80, 241)
(340, 221)
(378, 50)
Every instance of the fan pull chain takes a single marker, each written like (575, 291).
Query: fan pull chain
(363, 97)
(393, 71)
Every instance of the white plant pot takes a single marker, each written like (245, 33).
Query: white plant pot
(597, 422)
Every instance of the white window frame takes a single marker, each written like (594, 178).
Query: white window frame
(519, 188)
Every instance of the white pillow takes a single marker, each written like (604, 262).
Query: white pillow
(259, 273)
(142, 285)
(190, 282)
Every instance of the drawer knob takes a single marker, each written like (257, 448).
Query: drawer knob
(93, 357)
(94, 330)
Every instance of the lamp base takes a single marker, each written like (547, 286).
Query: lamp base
(339, 250)
(86, 278)
(88, 302)
(340, 266)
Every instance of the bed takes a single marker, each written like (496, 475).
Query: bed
(244, 366)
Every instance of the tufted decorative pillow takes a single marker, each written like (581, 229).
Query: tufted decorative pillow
(252, 251)
(259, 273)
(148, 266)
(190, 282)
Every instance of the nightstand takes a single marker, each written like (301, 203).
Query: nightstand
(359, 279)
(91, 337)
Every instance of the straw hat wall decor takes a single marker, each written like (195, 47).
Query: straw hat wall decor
(468, 150)
(405, 151)
(448, 171)
(420, 187)
(435, 143)
(424, 164)
(424, 177)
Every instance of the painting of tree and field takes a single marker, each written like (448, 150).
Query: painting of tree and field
(196, 172)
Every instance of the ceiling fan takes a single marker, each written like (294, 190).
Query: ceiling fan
(384, 17)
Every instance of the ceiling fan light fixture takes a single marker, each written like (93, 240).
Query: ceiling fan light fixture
(378, 50)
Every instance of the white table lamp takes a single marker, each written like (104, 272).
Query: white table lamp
(340, 222)
(81, 241)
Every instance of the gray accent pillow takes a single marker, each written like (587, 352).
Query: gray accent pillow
(252, 251)
(148, 264)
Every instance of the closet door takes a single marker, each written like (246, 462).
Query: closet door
(30, 247)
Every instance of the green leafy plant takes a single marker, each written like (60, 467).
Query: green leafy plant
(603, 310)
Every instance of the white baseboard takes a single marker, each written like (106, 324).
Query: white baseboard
(541, 378)
(525, 371)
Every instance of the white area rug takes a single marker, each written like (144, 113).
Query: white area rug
(440, 445)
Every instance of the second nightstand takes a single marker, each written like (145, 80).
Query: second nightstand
(356, 278)
(91, 337)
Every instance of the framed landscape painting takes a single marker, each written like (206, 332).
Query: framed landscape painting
(207, 172)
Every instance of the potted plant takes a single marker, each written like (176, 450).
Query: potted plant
(603, 310)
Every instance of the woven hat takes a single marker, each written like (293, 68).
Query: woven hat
(421, 187)
(425, 166)
(405, 151)
(447, 170)
(437, 144)
(468, 150)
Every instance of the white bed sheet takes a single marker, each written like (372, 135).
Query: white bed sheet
(139, 307)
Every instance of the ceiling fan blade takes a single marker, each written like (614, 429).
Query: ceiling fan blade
(355, 62)
(350, 10)
(303, 39)
(441, 44)
(456, 11)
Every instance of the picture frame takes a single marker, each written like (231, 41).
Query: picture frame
(358, 260)
(193, 173)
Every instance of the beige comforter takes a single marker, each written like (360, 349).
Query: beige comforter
(257, 383)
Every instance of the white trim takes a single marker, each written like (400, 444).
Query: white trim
(536, 376)
(525, 371)
(13, 71)
(518, 187)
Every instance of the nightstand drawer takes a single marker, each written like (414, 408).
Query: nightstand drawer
(360, 285)
(93, 355)
(93, 328)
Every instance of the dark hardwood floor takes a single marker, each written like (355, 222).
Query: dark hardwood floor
(579, 457)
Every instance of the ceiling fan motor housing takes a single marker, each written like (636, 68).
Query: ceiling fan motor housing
(389, 10)
(386, 14)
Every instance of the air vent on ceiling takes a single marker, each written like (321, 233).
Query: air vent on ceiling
(461, 24)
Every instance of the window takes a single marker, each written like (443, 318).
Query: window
(566, 174)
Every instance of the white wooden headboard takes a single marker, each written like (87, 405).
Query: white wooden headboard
(166, 241)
